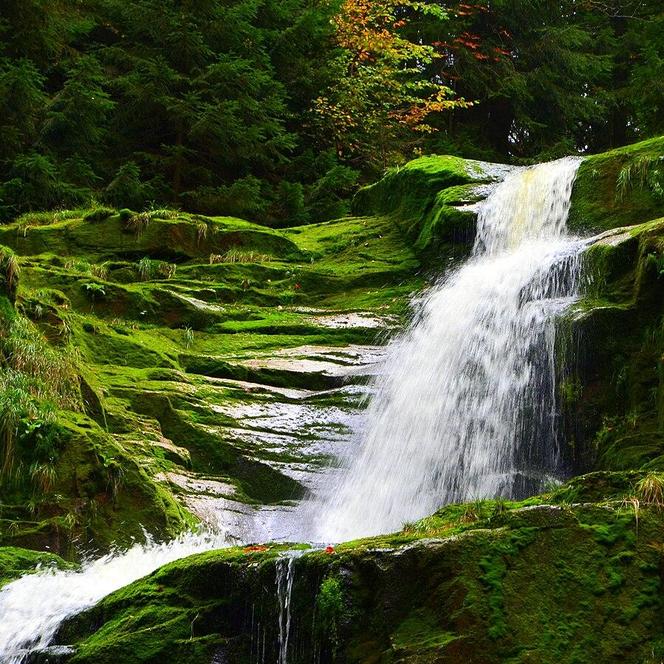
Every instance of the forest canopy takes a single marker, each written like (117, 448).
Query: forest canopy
(275, 110)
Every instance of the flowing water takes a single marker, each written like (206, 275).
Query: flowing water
(285, 576)
(465, 407)
(32, 608)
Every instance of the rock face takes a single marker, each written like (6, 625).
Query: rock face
(215, 358)
(613, 391)
(494, 582)
(613, 345)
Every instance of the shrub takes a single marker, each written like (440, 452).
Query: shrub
(9, 273)
(126, 188)
(94, 291)
(137, 223)
(240, 256)
(146, 268)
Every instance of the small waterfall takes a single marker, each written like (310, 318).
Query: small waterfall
(285, 577)
(33, 607)
(465, 406)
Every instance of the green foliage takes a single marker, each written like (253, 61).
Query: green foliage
(35, 380)
(98, 214)
(17, 562)
(650, 489)
(93, 290)
(10, 270)
(644, 172)
(276, 111)
(332, 609)
(126, 188)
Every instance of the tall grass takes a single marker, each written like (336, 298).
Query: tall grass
(35, 379)
(240, 256)
(10, 268)
(650, 489)
(644, 172)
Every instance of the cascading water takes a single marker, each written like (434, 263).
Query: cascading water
(465, 406)
(285, 576)
(32, 608)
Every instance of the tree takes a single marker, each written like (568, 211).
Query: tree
(380, 100)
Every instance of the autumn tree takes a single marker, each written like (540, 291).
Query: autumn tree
(380, 100)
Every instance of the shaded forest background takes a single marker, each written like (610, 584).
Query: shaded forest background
(276, 110)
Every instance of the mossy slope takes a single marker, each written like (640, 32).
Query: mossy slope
(167, 317)
(613, 391)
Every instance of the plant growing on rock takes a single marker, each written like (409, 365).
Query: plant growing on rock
(99, 270)
(146, 268)
(9, 272)
(167, 270)
(650, 489)
(201, 231)
(331, 608)
(138, 223)
(94, 291)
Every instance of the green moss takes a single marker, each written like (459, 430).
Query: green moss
(533, 588)
(423, 200)
(614, 413)
(617, 188)
(17, 562)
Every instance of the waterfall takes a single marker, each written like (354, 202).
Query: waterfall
(33, 607)
(285, 576)
(465, 406)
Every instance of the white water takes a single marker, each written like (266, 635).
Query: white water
(32, 608)
(285, 577)
(465, 406)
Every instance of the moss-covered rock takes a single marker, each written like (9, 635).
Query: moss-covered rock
(613, 393)
(428, 199)
(151, 309)
(504, 583)
(176, 323)
(619, 188)
(15, 563)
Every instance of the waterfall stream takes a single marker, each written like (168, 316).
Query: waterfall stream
(285, 576)
(465, 407)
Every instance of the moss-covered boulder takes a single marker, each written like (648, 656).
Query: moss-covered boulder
(613, 391)
(15, 562)
(429, 199)
(619, 188)
(493, 582)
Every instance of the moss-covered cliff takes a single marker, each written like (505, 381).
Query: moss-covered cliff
(170, 327)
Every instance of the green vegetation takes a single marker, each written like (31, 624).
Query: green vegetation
(619, 188)
(546, 582)
(144, 336)
(615, 412)
(276, 110)
(17, 562)
(122, 326)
